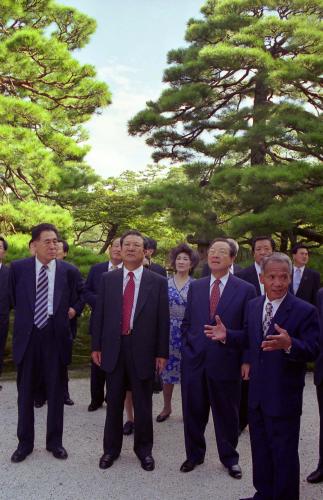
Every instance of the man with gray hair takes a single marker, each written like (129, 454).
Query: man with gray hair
(282, 333)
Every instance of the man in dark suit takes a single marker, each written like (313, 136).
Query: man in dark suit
(317, 475)
(42, 290)
(130, 341)
(282, 333)
(234, 269)
(150, 250)
(261, 246)
(4, 301)
(98, 376)
(305, 282)
(211, 372)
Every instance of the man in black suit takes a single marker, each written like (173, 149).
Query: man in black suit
(261, 246)
(317, 475)
(150, 251)
(211, 372)
(305, 282)
(98, 376)
(4, 301)
(130, 341)
(234, 269)
(42, 290)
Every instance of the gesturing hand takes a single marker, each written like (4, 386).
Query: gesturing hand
(276, 342)
(216, 332)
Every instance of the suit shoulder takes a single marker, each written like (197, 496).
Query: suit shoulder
(320, 294)
(200, 282)
(245, 272)
(313, 272)
(242, 283)
(22, 262)
(155, 276)
(301, 305)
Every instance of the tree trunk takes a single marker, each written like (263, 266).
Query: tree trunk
(111, 234)
(258, 147)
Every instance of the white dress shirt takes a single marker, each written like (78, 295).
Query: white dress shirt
(137, 279)
(51, 270)
(223, 282)
(258, 270)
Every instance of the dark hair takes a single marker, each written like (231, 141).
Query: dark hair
(297, 247)
(233, 250)
(5, 243)
(260, 238)
(132, 232)
(37, 230)
(30, 242)
(184, 248)
(66, 246)
(151, 244)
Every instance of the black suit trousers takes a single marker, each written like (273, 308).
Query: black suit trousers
(41, 359)
(319, 392)
(123, 378)
(275, 461)
(98, 378)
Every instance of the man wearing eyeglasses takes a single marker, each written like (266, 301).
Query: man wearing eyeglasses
(211, 373)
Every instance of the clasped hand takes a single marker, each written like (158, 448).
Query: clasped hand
(216, 332)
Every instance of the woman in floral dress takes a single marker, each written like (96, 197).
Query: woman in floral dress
(183, 261)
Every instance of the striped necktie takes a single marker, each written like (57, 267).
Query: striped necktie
(41, 304)
(128, 299)
(214, 298)
(268, 318)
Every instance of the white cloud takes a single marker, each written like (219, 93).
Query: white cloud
(112, 149)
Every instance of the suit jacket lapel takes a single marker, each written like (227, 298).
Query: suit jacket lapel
(144, 290)
(257, 317)
(303, 281)
(281, 314)
(58, 286)
(226, 296)
(30, 282)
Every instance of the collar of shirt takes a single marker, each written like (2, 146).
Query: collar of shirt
(300, 268)
(118, 266)
(231, 269)
(0, 264)
(275, 303)
(137, 273)
(51, 266)
(223, 282)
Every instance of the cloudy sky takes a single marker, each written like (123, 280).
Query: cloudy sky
(129, 51)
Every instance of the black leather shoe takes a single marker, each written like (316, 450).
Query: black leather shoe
(19, 456)
(162, 418)
(58, 452)
(128, 428)
(106, 461)
(68, 401)
(235, 471)
(188, 465)
(315, 477)
(148, 463)
(93, 406)
(39, 404)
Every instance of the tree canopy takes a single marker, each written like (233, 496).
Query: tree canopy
(45, 97)
(241, 114)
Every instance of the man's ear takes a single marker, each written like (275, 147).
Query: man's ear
(261, 278)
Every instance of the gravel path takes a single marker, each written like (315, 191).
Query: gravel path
(43, 477)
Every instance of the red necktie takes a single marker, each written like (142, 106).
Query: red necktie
(128, 297)
(215, 297)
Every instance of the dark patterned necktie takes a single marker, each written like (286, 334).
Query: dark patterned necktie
(41, 304)
(268, 318)
(215, 297)
(127, 304)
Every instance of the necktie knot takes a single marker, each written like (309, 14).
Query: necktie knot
(131, 275)
(269, 308)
